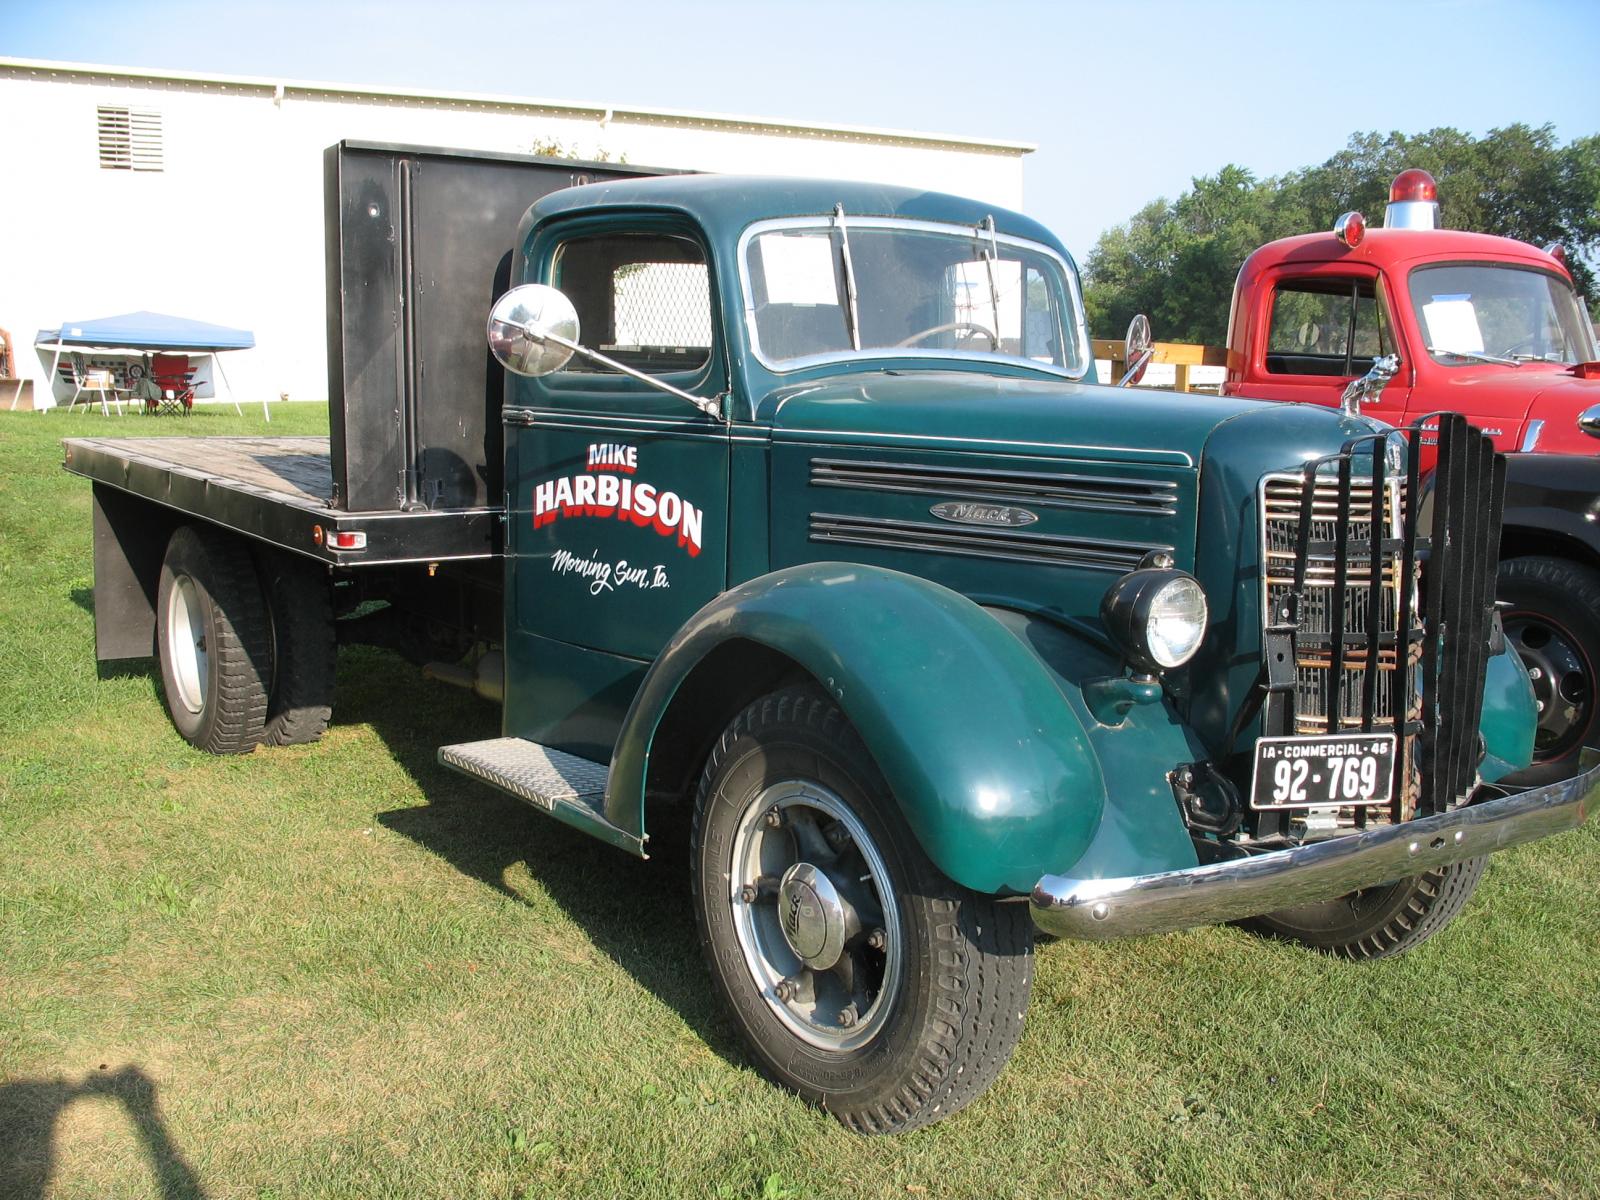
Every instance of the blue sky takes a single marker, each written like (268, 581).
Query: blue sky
(1127, 101)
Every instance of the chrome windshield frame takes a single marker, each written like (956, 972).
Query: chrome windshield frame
(1076, 331)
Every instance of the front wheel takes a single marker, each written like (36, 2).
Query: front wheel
(1378, 922)
(859, 975)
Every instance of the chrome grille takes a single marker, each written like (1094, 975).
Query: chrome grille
(1371, 622)
(1281, 508)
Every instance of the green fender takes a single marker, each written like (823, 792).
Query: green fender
(991, 764)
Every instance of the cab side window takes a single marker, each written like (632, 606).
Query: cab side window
(642, 299)
(1332, 327)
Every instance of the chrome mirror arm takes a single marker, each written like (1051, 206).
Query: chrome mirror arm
(711, 407)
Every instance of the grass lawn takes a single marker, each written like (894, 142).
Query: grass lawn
(337, 970)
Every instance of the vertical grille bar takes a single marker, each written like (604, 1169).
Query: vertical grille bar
(1336, 623)
(1406, 580)
(1375, 557)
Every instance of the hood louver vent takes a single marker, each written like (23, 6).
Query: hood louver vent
(1033, 489)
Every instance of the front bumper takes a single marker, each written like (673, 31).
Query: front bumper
(1102, 909)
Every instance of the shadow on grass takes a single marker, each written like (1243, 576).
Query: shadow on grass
(636, 912)
(31, 1108)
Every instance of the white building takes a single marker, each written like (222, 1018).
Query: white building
(201, 196)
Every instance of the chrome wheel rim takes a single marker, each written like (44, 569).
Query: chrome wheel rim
(186, 644)
(1563, 682)
(814, 915)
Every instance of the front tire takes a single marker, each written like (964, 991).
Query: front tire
(213, 639)
(1378, 922)
(859, 975)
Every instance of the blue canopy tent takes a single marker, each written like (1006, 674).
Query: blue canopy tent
(143, 332)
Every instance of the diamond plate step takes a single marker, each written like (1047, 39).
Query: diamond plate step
(538, 774)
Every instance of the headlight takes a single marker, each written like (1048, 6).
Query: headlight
(1589, 421)
(1157, 615)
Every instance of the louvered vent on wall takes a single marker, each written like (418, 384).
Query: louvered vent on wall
(130, 138)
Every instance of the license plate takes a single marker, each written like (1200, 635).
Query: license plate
(1323, 771)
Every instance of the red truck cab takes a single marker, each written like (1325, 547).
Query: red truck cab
(1488, 327)
(1485, 326)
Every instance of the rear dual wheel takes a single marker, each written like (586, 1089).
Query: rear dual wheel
(246, 649)
(859, 975)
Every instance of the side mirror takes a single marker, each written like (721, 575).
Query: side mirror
(533, 330)
(1138, 348)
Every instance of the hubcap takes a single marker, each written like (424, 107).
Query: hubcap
(1562, 681)
(186, 643)
(814, 915)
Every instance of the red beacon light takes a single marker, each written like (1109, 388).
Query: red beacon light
(1413, 201)
(1558, 252)
(1350, 228)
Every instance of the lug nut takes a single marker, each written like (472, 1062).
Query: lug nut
(1535, 673)
(774, 818)
(784, 990)
(847, 1016)
(877, 940)
(748, 893)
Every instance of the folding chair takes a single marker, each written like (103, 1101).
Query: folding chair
(92, 381)
(173, 380)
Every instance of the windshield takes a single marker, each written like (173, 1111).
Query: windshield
(1475, 312)
(910, 289)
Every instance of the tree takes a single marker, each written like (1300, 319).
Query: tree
(1177, 260)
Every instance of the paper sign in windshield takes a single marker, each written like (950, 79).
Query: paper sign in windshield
(799, 268)
(1453, 324)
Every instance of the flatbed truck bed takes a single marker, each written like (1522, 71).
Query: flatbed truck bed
(279, 490)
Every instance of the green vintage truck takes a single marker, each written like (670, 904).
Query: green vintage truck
(800, 510)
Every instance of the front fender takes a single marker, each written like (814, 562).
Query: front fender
(988, 761)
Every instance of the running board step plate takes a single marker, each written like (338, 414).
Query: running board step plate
(541, 776)
(569, 788)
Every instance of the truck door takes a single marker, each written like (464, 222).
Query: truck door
(617, 493)
(1316, 330)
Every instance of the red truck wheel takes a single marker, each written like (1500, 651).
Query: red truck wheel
(859, 975)
(212, 635)
(1553, 623)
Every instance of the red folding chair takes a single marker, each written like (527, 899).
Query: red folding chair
(173, 377)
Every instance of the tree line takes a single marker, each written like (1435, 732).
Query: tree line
(1176, 260)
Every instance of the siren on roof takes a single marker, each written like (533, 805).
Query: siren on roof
(1413, 201)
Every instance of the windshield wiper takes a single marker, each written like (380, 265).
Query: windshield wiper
(990, 253)
(852, 317)
(1476, 357)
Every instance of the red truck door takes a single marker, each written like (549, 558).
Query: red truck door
(1314, 328)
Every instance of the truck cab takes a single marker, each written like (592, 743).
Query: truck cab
(1488, 327)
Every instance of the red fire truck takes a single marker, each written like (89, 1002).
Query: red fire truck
(1412, 319)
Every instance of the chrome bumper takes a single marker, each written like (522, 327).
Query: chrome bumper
(1101, 909)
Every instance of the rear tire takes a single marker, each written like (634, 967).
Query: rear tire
(934, 978)
(213, 639)
(1378, 922)
(304, 649)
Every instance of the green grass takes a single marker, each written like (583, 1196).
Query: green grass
(338, 971)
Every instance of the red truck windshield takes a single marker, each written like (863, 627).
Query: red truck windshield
(1473, 312)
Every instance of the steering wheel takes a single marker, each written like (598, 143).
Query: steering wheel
(952, 327)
